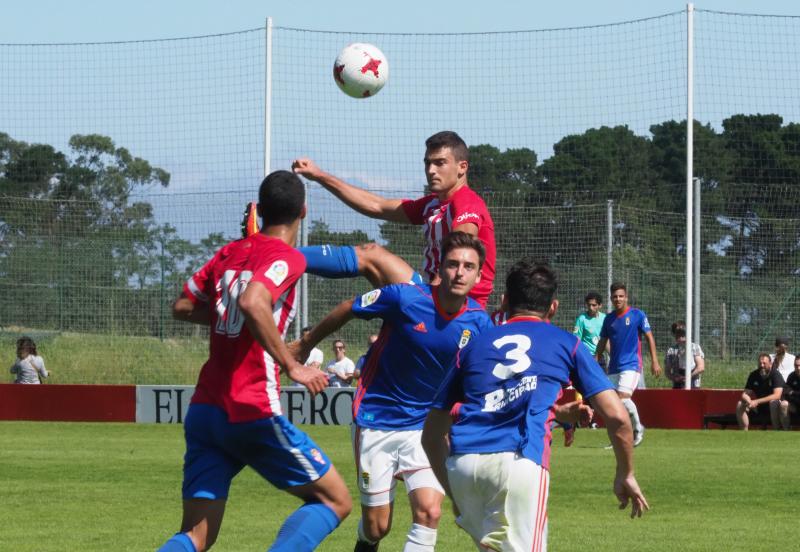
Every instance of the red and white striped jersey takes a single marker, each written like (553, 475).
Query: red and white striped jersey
(240, 376)
(439, 219)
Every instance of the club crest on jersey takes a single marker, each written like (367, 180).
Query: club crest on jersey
(627, 321)
(277, 272)
(465, 337)
(421, 328)
(365, 479)
(317, 455)
(368, 298)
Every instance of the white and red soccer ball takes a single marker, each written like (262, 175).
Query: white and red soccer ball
(360, 70)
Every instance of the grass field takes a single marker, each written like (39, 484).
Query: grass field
(100, 487)
(108, 359)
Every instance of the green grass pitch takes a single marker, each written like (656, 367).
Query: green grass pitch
(102, 487)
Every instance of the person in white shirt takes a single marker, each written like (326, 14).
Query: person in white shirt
(316, 357)
(341, 369)
(782, 360)
(29, 367)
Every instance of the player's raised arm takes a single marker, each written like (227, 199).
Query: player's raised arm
(366, 203)
(256, 305)
(618, 424)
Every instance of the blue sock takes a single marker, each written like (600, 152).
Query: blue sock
(179, 542)
(331, 261)
(305, 528)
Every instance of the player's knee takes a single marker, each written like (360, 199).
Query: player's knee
(428, 514)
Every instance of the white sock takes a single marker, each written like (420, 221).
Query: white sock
(633, 412)
(420, 539)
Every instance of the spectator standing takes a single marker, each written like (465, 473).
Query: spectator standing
(764, 385)
(675, 359)
(29, 367)
(341, 369)
(790, 400)
(782, 360)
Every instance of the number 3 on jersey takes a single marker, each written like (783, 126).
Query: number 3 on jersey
(518, 354)
(229, 318)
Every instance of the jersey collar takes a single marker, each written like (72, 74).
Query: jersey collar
(623, 313)
(529, 318)
(444, 314)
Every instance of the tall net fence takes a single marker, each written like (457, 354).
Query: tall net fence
(123, 167)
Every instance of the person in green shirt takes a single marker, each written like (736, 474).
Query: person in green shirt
(589, 323)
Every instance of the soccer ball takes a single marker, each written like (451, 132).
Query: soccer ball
(360, 70)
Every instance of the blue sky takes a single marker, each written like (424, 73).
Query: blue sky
(47, 21)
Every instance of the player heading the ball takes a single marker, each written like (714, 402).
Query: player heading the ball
(450, 206)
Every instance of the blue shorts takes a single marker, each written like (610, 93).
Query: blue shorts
(217, 450)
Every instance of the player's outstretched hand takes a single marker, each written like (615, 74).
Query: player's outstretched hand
(306, 167)
(627, 490)
(314, 380)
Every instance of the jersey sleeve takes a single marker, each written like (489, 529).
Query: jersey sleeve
(451, 389)
(586, 374)
(198, 287)
(644, 323)
(776, 379)
(605, 327)
(751, 381)
(378, 303)
(468, 209)
(279, 273)
(415, 208)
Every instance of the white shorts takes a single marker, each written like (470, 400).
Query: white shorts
(626, 381)
(501, 499)
(382, 457)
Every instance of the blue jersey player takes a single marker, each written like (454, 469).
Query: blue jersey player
(423, 328)
(498, 403)
(624, 329)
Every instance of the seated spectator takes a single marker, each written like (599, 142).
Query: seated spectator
(341, 369)
(316, 357)
(363, 358)
(790, 400)
(29, 367)
(675, 359)
(781, 359)
(763, 386)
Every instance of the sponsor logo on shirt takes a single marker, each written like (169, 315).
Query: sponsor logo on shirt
(421, 328)
(465, 337)
(500, 398)
(277, 272)
(464, 217)
(368, 298)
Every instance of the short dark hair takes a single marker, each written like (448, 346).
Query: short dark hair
(762, 355)
(531, 285)
(27, 344)
(281, 198)
(306, 329)
(593, 296)
(679, 328)
(781, 340)
(618, 285)
(449, 139)
(458, 240)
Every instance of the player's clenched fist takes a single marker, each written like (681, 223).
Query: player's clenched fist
(306, 167)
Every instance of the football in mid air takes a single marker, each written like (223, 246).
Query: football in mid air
(360, 70)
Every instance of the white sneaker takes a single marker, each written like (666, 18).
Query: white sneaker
(638, 436)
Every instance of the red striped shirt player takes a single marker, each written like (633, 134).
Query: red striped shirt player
(450, 206)
(246, 294)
